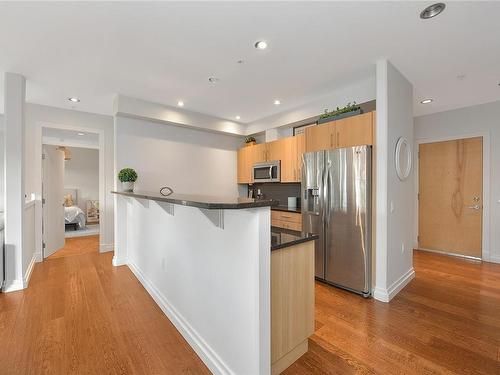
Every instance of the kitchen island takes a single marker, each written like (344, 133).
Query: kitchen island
(206, 261)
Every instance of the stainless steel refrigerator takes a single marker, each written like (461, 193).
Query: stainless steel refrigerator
(336, 205)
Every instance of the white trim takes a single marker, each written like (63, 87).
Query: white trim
(449, 254)
(119, 261)
(495, 258)
(69, 142)
(204, 351)
(12, 285)
(486, 253)
(20, 284)
(385, 295)
(29, 270)
(38, 257)
(38, 174)
(104, 247)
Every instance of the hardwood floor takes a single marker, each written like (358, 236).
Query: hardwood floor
(446, 321)
(77, 246)
(81, 315)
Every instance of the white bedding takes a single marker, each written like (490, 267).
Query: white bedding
(74, 214)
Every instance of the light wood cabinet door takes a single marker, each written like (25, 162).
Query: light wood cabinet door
(245, 164)
(320, 137)
(284, 150)
(300, 148)
(258, 153)
(354, 131)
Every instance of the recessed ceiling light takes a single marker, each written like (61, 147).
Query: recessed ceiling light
(261, 44)
(80, 134)
(277, 102)
(237, 117)
(427, 101)
(213, 79)
(180, 103)
(74, 100)
(432, 11)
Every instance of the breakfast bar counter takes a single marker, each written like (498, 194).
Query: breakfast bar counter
(206, 261)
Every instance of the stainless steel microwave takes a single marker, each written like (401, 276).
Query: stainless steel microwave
(269, 171)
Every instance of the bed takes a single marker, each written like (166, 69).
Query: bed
(74, 217)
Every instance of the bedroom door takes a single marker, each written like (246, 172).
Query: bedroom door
(53, 199)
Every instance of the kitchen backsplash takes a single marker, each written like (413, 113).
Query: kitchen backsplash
(277, 191)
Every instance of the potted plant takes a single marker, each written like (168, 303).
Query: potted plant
(127, 177)
(347, 111)
(250, 141)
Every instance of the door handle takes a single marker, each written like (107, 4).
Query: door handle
(475, 207)
(270, 173)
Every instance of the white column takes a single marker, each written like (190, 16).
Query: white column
(381, 159)
(14, 97)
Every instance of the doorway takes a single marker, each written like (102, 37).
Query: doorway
(450, 199)
(72, 191)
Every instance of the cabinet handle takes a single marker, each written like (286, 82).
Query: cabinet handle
(331, 140)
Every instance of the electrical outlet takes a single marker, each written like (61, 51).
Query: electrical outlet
(402, 248)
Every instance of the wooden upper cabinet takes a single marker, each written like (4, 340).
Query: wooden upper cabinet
(287, 157)
(244, 175)
(354, 131)
(258, 153)
(319, 137)
(300, 148)
(351, 131)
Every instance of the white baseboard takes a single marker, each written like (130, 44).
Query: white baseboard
(104, 247)
(204, 351)
(12, 285)
(494, 258)
(20, 284)
(385, 295)
(119, 261)
(38, 257)
(29, 270)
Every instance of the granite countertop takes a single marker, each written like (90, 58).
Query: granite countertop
(201, 201)
(287, 209)
(281, 238)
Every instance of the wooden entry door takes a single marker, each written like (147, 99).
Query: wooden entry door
(451, 196)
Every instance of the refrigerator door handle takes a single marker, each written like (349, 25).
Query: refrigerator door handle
(324, 182)
(328, 197)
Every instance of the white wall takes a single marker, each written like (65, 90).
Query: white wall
(361, 91)
(395, 209)
(472, 121)
(189, 161)
(38, 115)
(1, 164)
(82, 173)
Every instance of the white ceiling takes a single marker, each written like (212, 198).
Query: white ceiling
(163, 52)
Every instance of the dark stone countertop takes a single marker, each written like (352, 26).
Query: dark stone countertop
(287, 209)
(281, 238)
(201, 201)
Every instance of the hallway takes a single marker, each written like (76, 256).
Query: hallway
(82, 315)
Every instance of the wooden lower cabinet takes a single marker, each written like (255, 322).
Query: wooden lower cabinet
(292, 303)
(287, 220)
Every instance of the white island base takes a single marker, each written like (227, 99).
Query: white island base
(209, 271)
